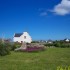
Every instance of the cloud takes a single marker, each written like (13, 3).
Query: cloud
(43, 14)
(62, 8)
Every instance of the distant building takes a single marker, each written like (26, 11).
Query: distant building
(42, 41)
(5, 40)
(67, 40)
(22, 37)
(50, 41)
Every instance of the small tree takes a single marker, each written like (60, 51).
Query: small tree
(4, 49)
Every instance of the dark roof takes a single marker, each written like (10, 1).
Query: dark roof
(18, 34)
(49, 40)
(66, 39)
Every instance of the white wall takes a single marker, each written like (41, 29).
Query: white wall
(28, 38)
(16, 39)
(67, 40)
(21, 38)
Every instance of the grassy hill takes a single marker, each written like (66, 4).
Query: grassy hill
(45, 60)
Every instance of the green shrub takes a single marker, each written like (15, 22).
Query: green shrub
(48, 44)
(15, 45)
(59, 44)
(34, 42)
(4, 49)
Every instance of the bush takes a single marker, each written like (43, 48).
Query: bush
(15, 45)
(34, 42)
(48, 45)
(34, 49)
(59, 44)
(31, 49)
(4, 49)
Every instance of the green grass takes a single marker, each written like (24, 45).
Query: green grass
(45, 60)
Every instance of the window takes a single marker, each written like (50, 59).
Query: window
(24, 37)
(21, 41)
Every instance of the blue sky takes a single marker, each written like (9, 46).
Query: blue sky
(43, 19)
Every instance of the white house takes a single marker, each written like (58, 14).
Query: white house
(50, 41)
(67, 40)
(22, 37)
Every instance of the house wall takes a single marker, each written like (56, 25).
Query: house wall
(16, 39)
(28, 38)
(67, 40)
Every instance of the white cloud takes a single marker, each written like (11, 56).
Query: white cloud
(63, 8)
(43, 13)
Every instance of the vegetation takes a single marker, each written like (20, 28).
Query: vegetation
(15, 45)
(44, 60)
(50, 59)
(32, 49)
(4, 49)
(35, 49)
(61, 44)
(35, 42)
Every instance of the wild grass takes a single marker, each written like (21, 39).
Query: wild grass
(49, 59)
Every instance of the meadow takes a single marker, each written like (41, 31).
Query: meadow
(49, 59)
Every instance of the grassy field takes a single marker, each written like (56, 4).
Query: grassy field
(45, 60)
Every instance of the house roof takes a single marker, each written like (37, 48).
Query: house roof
(49, 40)
(18, 34)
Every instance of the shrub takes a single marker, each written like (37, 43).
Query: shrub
(57, 44)
(4, 49)
(34, 42)
(15, 45)
(30, 49)
(34, 49)
(48, 44)
(61, 44)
